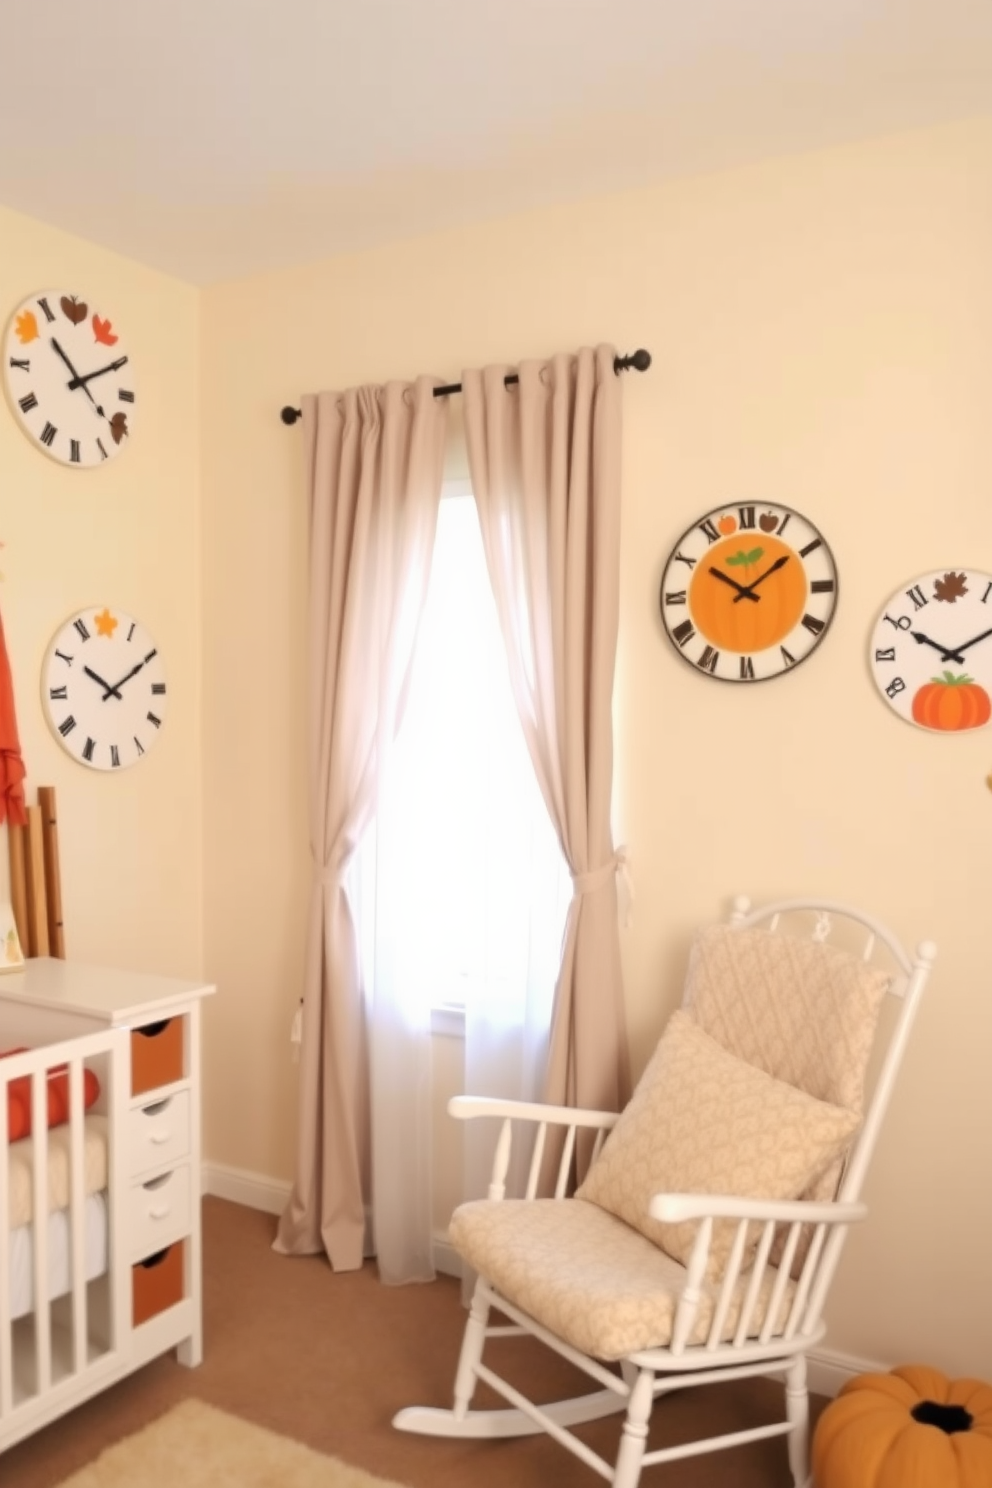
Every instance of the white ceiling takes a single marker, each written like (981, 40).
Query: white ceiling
(217, 138)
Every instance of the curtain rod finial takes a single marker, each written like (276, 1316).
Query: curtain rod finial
(290, 415)
(639, 360)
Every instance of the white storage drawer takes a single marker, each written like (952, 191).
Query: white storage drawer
(160, 1212)
(158, 1133)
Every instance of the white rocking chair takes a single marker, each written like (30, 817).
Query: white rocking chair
(703, 1241)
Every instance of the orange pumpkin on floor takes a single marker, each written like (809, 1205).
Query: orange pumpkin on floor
(949, 702)
(913, 1428)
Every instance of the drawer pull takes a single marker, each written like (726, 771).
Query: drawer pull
(160, 1213)
(159, 1137)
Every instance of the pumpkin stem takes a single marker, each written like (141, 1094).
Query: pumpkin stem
(949, 1418)
(949, 680)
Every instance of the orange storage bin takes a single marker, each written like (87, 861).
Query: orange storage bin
(157, 1283)
(156, 1055)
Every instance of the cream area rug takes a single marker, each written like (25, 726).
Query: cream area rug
(197, 1446)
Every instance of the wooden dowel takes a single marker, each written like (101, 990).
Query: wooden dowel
(18, 883)
(37, 906)
(53, 881)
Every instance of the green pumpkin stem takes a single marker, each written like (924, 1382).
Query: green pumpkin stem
(948, 679)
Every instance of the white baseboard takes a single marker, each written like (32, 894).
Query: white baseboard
(828, 1369)
(242, 1187)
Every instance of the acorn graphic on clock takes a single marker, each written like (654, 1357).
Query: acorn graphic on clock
(748, 592)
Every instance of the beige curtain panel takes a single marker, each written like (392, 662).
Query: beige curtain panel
(545, 463)
(375, 459)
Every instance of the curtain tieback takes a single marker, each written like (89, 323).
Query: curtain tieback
(618, 863)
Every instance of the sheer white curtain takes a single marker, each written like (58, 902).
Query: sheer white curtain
(460, 894)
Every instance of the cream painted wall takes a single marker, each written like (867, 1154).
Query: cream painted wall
(821, 329)
(127, 535)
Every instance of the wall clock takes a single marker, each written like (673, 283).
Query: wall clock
(748, 592)
(931, 650)
(69, 378)
(103, 688)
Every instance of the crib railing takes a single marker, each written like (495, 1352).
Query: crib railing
(28, 1372)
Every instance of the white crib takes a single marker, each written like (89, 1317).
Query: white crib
(99, 1216)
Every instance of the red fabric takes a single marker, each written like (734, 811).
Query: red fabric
(19, 1098)
(12, 769)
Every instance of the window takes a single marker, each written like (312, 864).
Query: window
(462, 865)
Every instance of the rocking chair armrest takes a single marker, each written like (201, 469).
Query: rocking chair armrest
(677, 1208)
(467, 1107)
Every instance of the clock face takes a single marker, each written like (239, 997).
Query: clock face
(748, 592)
(69, 378)
(931, 650)
(103, 688)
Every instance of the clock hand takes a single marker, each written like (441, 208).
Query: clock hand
(953, 655)
(78, 381)
(742, 592)
(924, 640)
(760, 579)
(110, 691)
(126, 678)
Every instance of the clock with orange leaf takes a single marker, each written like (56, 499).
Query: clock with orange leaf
(69, 378)
(748, 592)
(103, 688)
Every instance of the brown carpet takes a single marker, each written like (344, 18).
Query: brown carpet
(328, 1360)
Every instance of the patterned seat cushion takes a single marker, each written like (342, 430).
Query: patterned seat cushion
(587, 1276)
(701, 1121)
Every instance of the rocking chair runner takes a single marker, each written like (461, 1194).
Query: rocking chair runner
(703, 1241)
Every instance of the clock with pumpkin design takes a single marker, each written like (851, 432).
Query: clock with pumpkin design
(931, 650)
(748, 592)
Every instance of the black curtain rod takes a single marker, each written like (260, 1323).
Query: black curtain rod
(639, 360)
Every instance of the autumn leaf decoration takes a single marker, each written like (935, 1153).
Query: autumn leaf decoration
(102, 331)
(951, 587)
(26, 327)
(741, 559)
(72, 309)
(118, 425)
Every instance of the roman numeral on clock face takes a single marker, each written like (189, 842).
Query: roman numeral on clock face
(115, 757)
(28, 402)
(46, 309)
(22, 363)
(74, 451)
(125, 395)
(684, 632)
(80, 626)
(707, 662)
(746, 516)
(66, 726)
(88, 749)
(59, 694)
(747, 669)
(917, 596)
(812, 624)
(709, 529)
(675, 597)
(48, 434)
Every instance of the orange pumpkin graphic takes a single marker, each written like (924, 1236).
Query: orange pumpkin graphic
(741, 624)
(949, 702)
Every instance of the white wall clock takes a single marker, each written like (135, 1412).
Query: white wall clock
(748, 592)
(103, 688)
(931, 650)
(69, 378)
